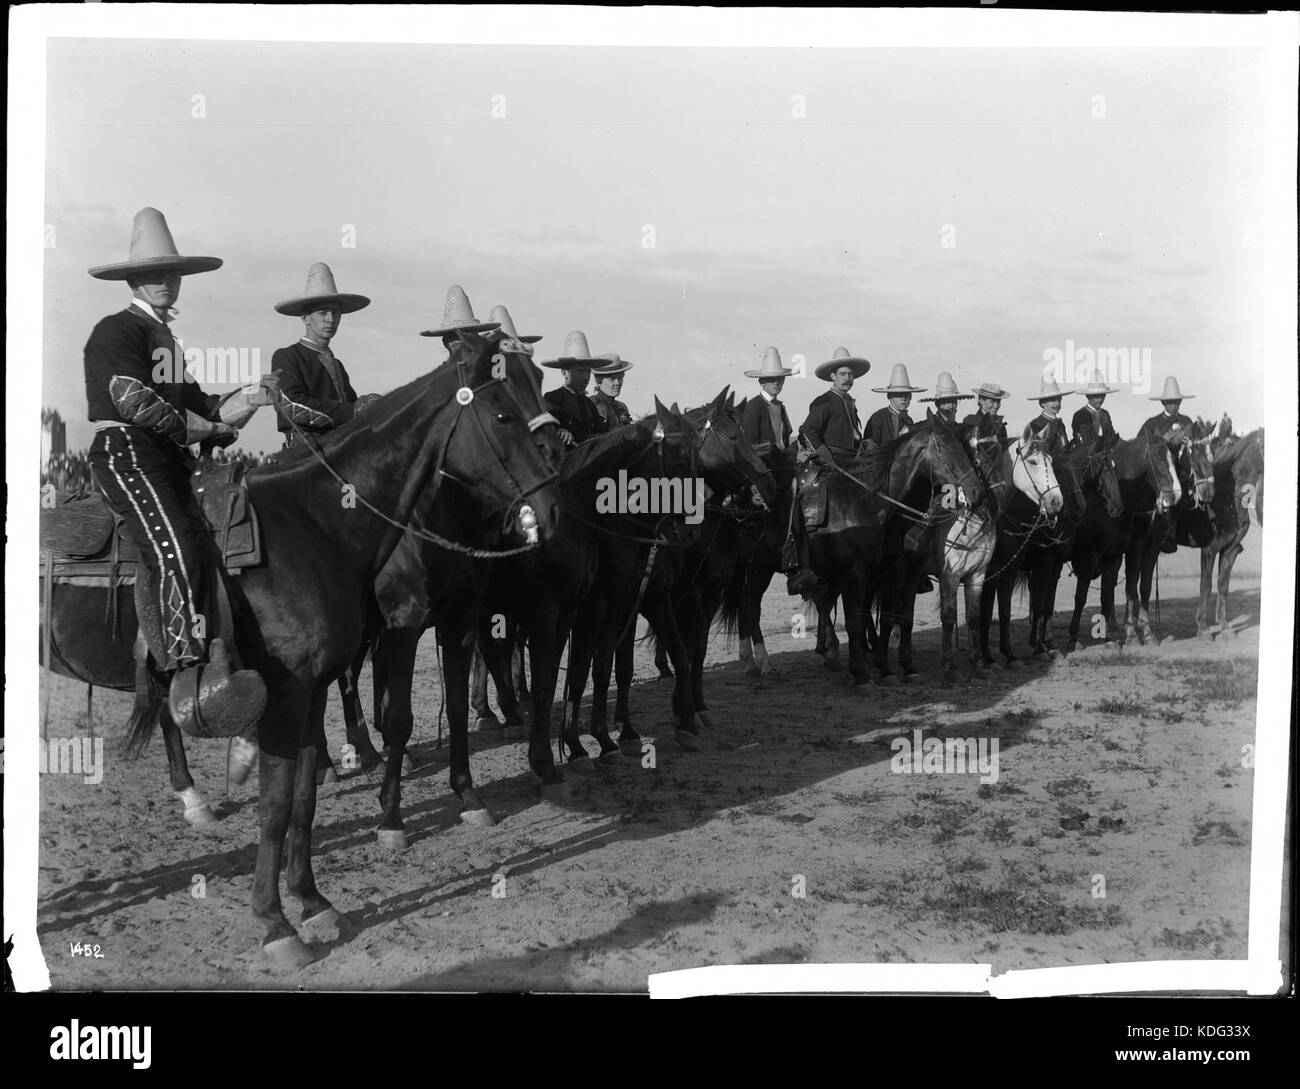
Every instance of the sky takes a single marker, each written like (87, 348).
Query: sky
(967, 210)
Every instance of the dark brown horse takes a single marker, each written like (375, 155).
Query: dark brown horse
(907, 477)
(654, 579)
(1238, 493)
(332, 514)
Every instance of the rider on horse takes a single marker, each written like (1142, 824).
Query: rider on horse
(1172, 426)
(1048, 426)
(946, 397)
(888, 423)
(609, 384)
(317, 394)
(1092, 421)
(985, 420)
(146, 411)
(579, 417)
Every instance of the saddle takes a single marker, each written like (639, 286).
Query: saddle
(80, 535)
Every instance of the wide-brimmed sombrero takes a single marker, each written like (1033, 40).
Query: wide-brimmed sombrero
(153, 250)
(576, 354)
(841, 357)
(945, 389)
(614, 365)
(1171, 392)
(1048, 390)
(501, 316)
(899, 382)
(991, 390)
(321, 293)
(458, 316)
(1097, 389)
(771, 367)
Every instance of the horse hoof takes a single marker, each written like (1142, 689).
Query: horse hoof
(1053, 653)
(911, 678)
(628, 736)
(688, 741)
(202, 818)
(702, 717)
(488, 722)
(582, 765)
(1015, 665)
(324, 926)
(289, 953)
(477, 818)
(753, 670)
(665, 675)
(1205, 636)
(242, 758)
(1227, 635)
(391, 839)
(889, 680)
(326, 775)
(515, 733)
(612, 756)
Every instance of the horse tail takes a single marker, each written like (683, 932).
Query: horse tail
(733, 600)
(149, 695)
(1020, 583)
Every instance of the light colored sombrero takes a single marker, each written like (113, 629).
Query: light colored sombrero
(319, 293)
(458, 316)
(576, 354)
(615, 365)
(1048, 389)
(501, 316)
(1171, 392)
(771, 367)
(153, 250)
(899, 382)
(842, 358)
(945, 389)
(1095, 389)
(993, 390)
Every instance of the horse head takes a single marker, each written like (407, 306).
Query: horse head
(1197, 457)
(507, 451)
(936, 453)
(1162, 475)
(1099, 475)
(1033, 474)
(726, 458)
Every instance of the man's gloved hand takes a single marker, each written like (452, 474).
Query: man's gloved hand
(824, 455)
(197, 429)
(756, 497)
(567, 438)
(366, 402)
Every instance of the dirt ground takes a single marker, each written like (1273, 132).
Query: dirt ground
(1118, 830)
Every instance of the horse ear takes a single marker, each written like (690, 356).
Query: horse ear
(929, 416)
(661, 412)
(1027, 434)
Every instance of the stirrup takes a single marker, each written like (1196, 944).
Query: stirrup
(209, 700)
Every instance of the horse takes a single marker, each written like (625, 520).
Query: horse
(1238, 493)
(959, 546)
(743, 600)
(863, 498)
(1154, 533)
(641, 568)
(332, 513)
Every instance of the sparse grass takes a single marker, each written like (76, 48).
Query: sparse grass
(1058, 788)
(1032, 910)
(999, 831)
(1199, 937)
(1215, 831)
(947, 818)
(1230, 682)
(1121, 705)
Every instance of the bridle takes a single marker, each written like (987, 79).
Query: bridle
(1024, 449)
(464, 397)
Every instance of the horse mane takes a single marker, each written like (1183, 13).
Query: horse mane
(590, 456)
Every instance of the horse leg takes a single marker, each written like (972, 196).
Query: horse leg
(457, 654)
(1081, 584)
(601, 670)
(325, 770)
(363, 753)
(484, 719)
(1150, 558)
(198, 814)
(545, 645)
(496, 655)
(282, 773)
(974, 593)
(660, 614)
(393, 663)
(1004, 623)
(905, 623)
(317, 912)
(661, 663)
(586, 640)
(1052, 578)
(623, 663)
(1226, 559)
(1207, 579)
(988, 597)
(948, 617)
(1109, 580)
(828, 643)
(523, 697)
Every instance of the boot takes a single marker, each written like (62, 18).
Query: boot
(207, 699)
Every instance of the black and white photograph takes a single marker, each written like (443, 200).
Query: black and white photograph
(652, 501)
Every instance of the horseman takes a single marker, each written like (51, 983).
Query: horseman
(609, 384)
(888, 423)
(500, 316)
(765, 418)
(146, 411)
(946, 397)
(1170, 425)
(579, 418)
(833, 433)
(986, 421)
(317, 394)
(1048, 425)
(1093, 421)
(458, 317)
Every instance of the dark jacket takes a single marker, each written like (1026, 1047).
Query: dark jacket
(576, 413)
(1172, 428)
(885, 425)
(1052, 432)
(756, 422)
(613, 412)
(318, 405)
(120, 377)
(833, 422)
(1087, 425)
(986, 426)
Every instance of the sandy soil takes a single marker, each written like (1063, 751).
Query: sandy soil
(1122, 765)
